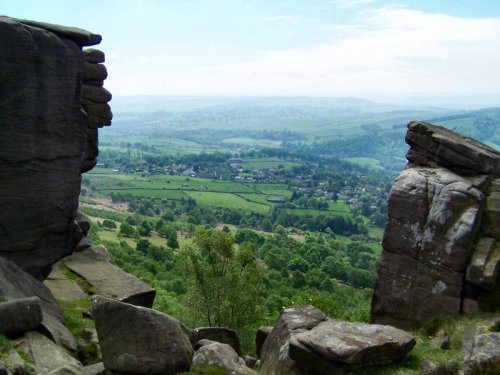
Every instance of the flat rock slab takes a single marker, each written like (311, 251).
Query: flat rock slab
(109, 280)
(45, 354)
(62, 287)
(351, 345)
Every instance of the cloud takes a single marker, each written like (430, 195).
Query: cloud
(348, 3)
(393, 50)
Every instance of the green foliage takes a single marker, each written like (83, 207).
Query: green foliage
(227, 284)
(5, 347)
(126, 230)
(108, 224)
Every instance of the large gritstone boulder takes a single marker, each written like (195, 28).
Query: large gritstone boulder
(46, 140)
(441, 249)
(151, 343)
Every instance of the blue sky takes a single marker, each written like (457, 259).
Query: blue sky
(295, 47)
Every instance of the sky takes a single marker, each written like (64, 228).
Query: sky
(287, 48)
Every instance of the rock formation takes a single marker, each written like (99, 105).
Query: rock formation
(51, 104)
(441, 246)
(305, 342)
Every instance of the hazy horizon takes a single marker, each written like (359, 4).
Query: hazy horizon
(328, 48)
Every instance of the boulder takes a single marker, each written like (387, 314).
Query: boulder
(485, 356)
(15, 284)
(274, 355)
(20, 315)
(151, 343)
(107, 279)
(219, 334)
(335, 344)
(45, 355)
(492, 210)
(95, 369)
(222, 355)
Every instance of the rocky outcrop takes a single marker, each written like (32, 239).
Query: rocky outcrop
(441, 249)
(304, 341)
(334, 345)
(138, 340)
(51, 103)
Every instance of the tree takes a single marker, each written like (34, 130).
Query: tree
(108, 224)
(226, 283)
(126, 230)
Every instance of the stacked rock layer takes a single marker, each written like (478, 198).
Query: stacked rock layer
(441, 246)
(46, 139)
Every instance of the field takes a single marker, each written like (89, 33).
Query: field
(267, 163)
(206, 192)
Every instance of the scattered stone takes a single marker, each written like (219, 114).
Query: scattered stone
(485, 357)
(3, 369)
(66, 370)
(222, 355)
(16, 364)
(260, 338)
(219, 334)
(15, 284)
(109, 280)
(45, 354)
(152, 343)
(95, 369)
(20, 315)
(336, 343)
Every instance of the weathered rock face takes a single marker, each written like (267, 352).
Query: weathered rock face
(441, 243)
(51, 102)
